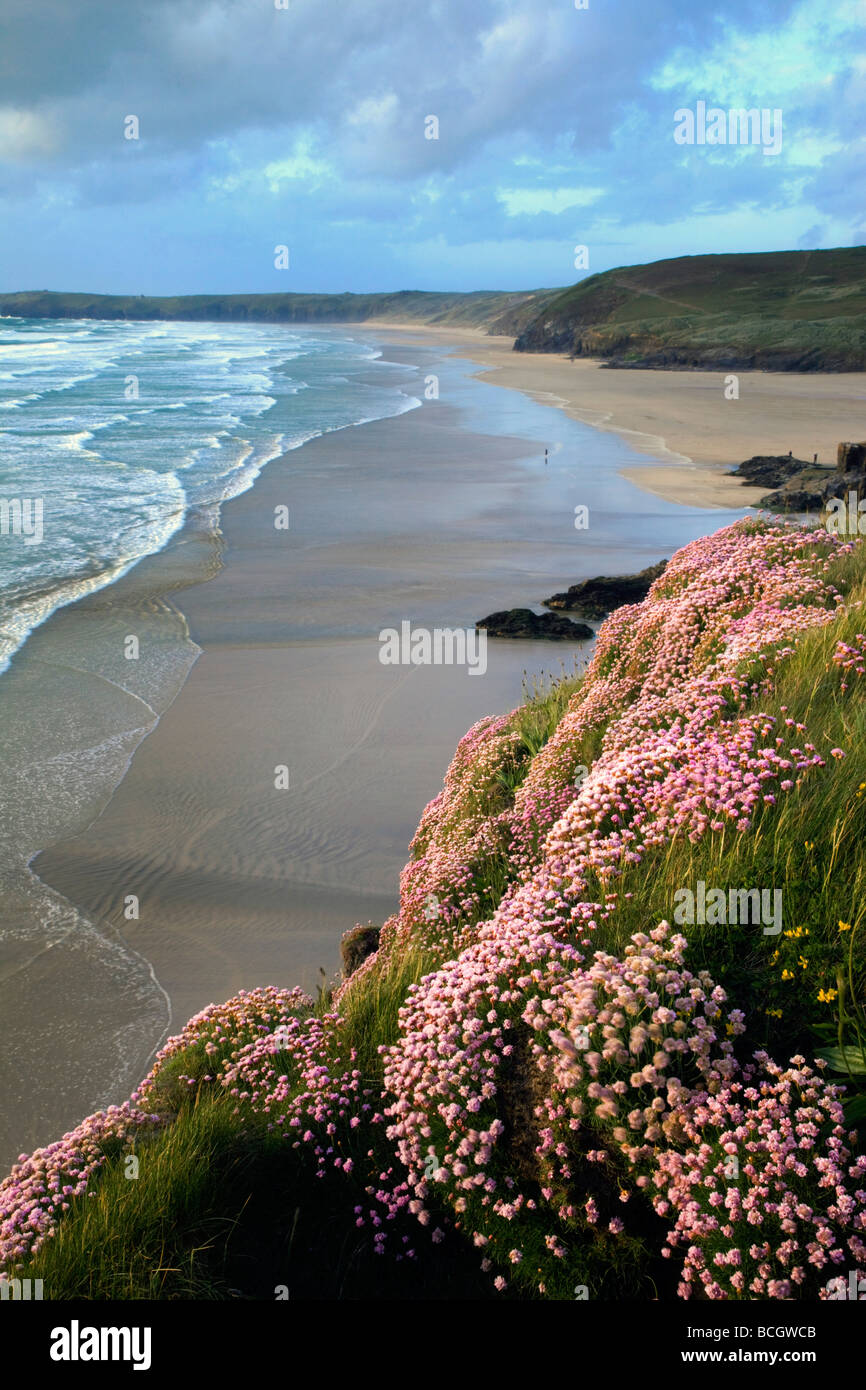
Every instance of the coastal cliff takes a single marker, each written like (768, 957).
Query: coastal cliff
(623, 982)
(779, 311)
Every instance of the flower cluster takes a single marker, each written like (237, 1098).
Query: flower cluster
(767, 1196)
(41, 1187)
(849, 658)
(680, 756)
(649, 1031)
(222, 1029)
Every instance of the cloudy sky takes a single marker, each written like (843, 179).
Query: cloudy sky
(307, 127)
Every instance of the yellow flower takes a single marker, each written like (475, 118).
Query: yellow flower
(774, 957)
(804, 962)
(797, 931)
(774, 1013)
(787, 974)
(826, 996)
(809, 844)
(844, 926)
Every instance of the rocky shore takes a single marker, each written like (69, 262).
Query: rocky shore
(799, 486)
(522, 622)
(595, 598)
(591, 598)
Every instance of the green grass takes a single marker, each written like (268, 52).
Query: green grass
(783, 310)
(219, 1210)
(164, 1233)
(370, 1013)
(546, 702)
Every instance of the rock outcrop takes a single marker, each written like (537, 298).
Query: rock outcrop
(356, 946)
(522, 622)
(769, 470)
(595, 598)
(805, 487)
(850, 474)
(796, 497)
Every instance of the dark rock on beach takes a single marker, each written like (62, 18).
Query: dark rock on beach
(595, 598)
(522, 622)
(794, 498)
(769, 470)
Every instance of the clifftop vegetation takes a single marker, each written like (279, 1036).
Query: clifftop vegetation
(778, 310)
(578, 1064)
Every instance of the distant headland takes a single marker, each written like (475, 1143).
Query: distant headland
(782, 311)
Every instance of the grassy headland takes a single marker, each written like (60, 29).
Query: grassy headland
(797, 311)
(548, 1082)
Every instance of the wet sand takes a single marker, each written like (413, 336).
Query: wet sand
(682, 418)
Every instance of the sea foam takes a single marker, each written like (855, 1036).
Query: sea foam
(122, 428)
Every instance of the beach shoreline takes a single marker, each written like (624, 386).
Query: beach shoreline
(682, 420)
(439, 515)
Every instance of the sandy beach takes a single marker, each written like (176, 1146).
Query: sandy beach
(439, 516)
(682, 418)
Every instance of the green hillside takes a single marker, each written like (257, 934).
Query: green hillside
(477, 310)
(777, 311)
(780, 310)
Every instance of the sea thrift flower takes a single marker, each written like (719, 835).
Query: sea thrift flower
(541, 1074)
(37, 1191)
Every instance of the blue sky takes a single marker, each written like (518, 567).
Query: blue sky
(305, 127)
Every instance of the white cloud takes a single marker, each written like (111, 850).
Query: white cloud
(375, 111)
(770, 64)
(25, 135)
(532, 201)
(300, 166)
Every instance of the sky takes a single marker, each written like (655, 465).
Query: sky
(309, 127)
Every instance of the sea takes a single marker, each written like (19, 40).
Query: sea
(112, 433)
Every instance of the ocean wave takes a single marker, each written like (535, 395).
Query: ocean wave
(163, 419)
